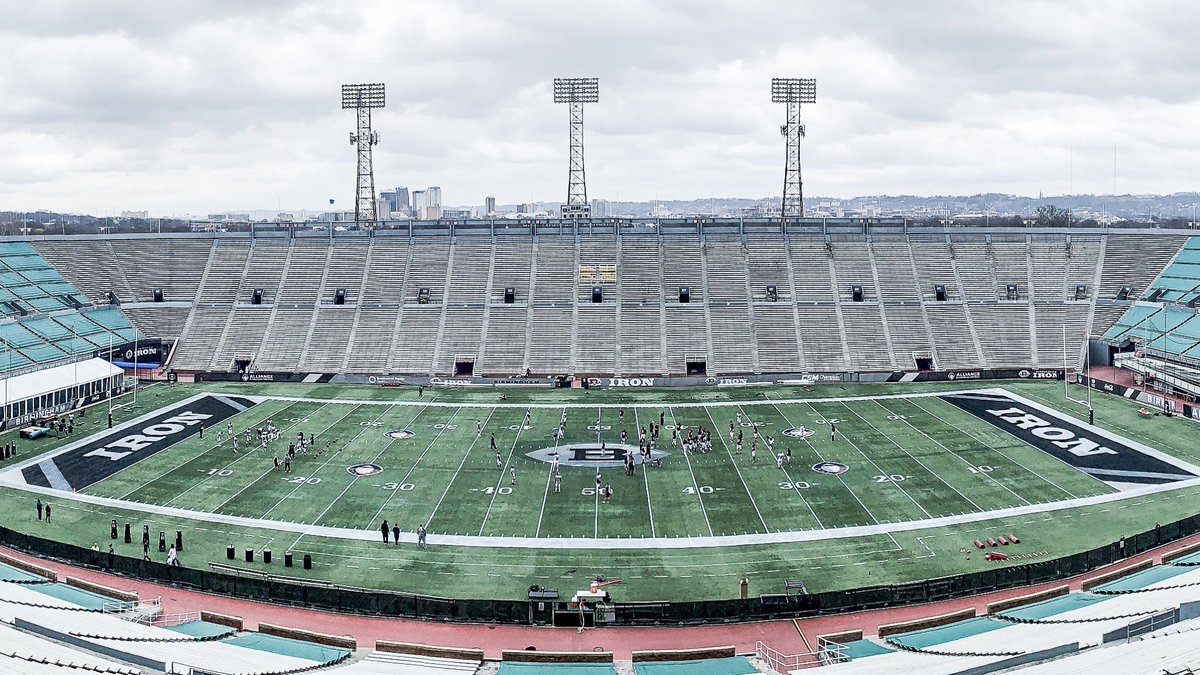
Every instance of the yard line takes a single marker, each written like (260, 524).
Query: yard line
(247, 455)
(354, 481)
(496, 490)
(247, 486)
(841, 480)
(717, 433)
(789, 477)
(695, 485)
(972, 434)
(549, 475)
(324, 464)
(940, 445)
(596, 522)
(429, 520)
(646, 475)
(914, 458)
(872, 463)
(185, 461)
(415, 463)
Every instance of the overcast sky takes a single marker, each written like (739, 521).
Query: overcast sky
(189, 106)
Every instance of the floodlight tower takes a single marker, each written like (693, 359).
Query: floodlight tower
(575, 91)
(363, 98)
(792, 91)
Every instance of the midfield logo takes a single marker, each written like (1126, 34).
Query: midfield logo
(592, 455)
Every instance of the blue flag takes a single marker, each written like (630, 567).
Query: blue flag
(331, 202)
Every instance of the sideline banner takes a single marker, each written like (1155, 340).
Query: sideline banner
(641, 382)
(144, 352)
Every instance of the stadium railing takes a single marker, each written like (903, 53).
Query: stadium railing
(295, 591)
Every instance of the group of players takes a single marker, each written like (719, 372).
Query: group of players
(269, 433)
(695, 440)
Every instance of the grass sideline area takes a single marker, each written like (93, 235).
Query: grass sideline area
(938, 450)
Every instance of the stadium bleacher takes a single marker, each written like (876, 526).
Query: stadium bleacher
(1165, 320)
(427, 304)
(57, 624)
(46, 320)
(1070, 628)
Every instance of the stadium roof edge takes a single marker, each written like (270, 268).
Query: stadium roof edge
(730, 227)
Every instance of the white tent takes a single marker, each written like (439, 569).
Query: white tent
(31, 395)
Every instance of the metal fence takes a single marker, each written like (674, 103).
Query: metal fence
(783, 663)
(296, 592)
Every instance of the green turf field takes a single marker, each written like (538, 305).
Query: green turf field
(911, 458)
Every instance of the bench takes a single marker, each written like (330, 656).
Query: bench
(794, 585)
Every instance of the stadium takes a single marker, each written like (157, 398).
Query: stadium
(395, 440)
(616, 423)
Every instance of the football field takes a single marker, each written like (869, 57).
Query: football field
(911, 477)
(432, 464)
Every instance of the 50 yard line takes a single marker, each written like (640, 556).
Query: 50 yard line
(646, 475)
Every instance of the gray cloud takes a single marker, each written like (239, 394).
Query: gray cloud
(194, 106)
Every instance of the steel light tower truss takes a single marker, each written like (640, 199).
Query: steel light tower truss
(575, 91)
(792, 91)
(363, 98)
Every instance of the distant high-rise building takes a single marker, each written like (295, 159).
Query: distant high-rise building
(402, 199)
(601, 208)
(489, 205)
(388, 196)
(419, 202)
(433, 195)
(383, 209)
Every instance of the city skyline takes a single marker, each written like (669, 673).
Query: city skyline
(925, 99)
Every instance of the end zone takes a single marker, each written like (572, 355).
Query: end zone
(88, 461)
(1110, 458)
